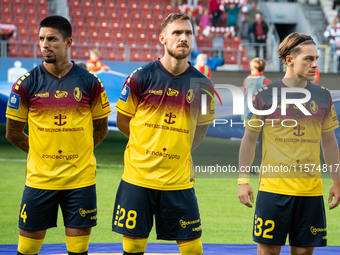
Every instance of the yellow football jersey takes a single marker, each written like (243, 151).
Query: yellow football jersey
(165, 112)
(291, 142)
(60, 114)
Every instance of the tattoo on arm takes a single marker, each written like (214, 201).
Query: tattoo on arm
(15, 134)
(199, 136)
(100, 130)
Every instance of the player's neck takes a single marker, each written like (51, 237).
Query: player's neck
(59, 68)
(294, 82)
(174, 66)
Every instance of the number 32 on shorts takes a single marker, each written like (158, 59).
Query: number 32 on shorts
(129, 217)
(263, 229)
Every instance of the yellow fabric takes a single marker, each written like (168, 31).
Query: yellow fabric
(291, 155)
(77, 244)
(162, 129)
(29, 246)
(191, 248)
(243, 180)
(134, 245)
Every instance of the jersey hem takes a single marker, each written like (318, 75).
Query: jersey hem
(102, 116)
(330, 129)
(78, 186)
(165, 188)
(123, 112)
(301, 194)
(13, 117)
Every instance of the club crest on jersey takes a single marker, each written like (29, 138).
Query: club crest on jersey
(190, 95)
(125, 93)
(14, 101)
(172, 92)
(313, 107)
(60, 94)
(77, 94)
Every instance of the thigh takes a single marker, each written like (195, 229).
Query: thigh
(273, 214)
(177, 215)
(38, 209)
(133, 211)
(79, 207)
(308, 227)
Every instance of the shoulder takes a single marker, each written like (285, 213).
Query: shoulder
(142, 73)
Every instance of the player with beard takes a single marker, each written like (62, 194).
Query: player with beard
(66, 108)
(159, 112)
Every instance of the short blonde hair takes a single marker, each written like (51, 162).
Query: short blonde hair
(258, 63)
(95, 52)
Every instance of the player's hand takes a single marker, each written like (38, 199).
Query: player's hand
(334, 191)
(245, 191)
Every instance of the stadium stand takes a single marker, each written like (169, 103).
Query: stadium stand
(125, 31)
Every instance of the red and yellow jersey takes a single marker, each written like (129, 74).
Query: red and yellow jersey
(60, 114)
(291, 142)
(165, 111)
(94, 66)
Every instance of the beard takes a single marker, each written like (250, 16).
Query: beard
(178, 55)
(50, 59)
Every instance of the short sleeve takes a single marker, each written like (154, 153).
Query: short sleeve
(254, 122)
(100, 106)
(330, 121)
(130, 96)
(17, 106)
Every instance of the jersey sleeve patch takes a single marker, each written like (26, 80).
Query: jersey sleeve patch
(125, 94)
(14, 101)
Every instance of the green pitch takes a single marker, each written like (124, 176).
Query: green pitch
(224, 218)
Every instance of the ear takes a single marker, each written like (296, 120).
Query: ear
(290, 60)
(162, 38)
(69, 42)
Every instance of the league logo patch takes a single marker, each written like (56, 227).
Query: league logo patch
(14, 101)
(125, 93)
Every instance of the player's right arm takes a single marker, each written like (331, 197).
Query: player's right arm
(246, 158)
(15, 134)
(123, 123)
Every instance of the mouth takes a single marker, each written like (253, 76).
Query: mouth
(183, 46)
(47, 53)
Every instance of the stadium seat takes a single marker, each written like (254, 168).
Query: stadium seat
(26, 50)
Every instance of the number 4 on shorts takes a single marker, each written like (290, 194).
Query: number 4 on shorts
(23, 214)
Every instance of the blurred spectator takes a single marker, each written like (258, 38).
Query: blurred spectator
(333, 34)
(250, 18)
(201, 65)
(246, 6)
(4, 36)
(93, 64)
(232, 12)
(193, 2)
(175, 3)
(205, 19)
(215, 12)
(260, 30)
(218, 42)
(254, 81)
(82, 64)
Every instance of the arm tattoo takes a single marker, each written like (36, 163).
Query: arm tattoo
(15, 134)
(199, 136)
(100, 130)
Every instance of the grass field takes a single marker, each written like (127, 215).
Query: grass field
(224, 218)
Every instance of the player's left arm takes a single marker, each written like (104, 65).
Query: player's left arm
(330, 151)
(100, 130)
(200, 132)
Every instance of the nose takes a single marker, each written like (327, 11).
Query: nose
(44, 43)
